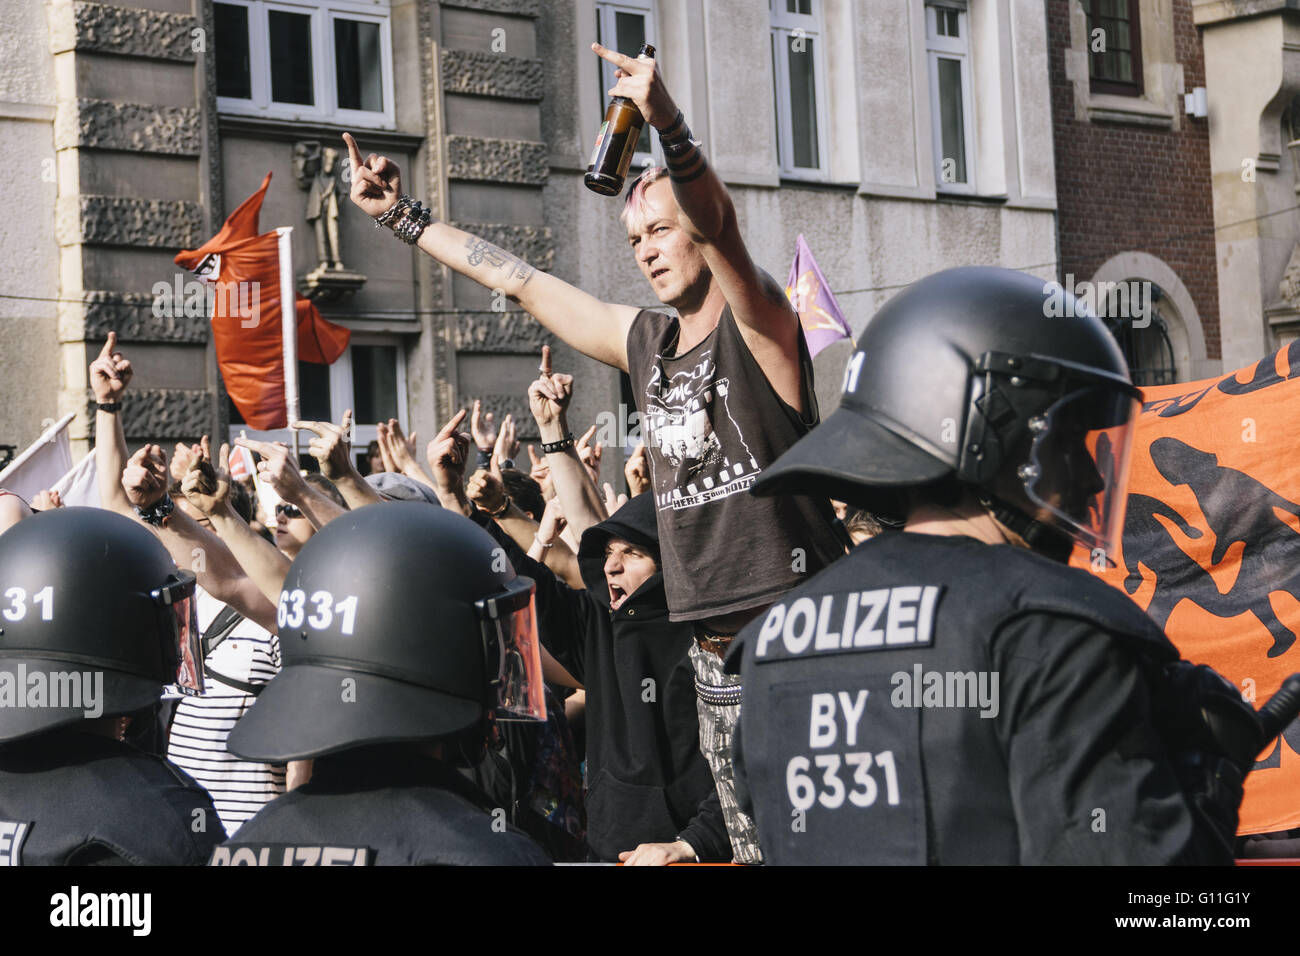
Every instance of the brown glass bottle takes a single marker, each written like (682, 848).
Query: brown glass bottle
(616, 142)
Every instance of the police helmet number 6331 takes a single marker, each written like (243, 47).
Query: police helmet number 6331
(292, 610)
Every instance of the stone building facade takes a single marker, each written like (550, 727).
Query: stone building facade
(899, 137)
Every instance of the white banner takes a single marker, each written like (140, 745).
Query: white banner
(44, 462)
(79, 488)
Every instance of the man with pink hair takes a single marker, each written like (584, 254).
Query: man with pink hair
(728, 381)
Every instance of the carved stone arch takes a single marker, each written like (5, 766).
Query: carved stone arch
(1177, 308)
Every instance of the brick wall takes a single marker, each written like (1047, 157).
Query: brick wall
(1122, 188)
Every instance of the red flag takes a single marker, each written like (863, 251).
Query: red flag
(1211, 545)
(246, 326)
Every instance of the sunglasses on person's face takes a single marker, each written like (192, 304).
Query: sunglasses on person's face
(289, 511)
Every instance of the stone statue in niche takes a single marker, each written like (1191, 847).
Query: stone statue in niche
(316, 170)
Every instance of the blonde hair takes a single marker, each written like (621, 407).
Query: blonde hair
(634, 207)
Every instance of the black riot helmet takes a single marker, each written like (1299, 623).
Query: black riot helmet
(995, 379)
(397, 622)
(92, 616)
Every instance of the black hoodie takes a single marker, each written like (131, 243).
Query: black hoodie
(647, 780)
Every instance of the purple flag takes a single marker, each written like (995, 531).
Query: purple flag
(812, 298)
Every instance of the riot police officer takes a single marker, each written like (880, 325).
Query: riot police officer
(92, 616)
(403, 630)
(952, 692)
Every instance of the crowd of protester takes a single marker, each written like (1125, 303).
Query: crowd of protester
(616, 768)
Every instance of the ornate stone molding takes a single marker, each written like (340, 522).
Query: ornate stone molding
(508, 332)
(121, 221)
(496, 160)
(131, 316)
(533, 244)
(126, 31)
(518, 8)
(162, 412)
(477, 73)
(131, 127)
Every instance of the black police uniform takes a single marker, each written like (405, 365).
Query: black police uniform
(72, 798)
(401, 808)
(868, 737)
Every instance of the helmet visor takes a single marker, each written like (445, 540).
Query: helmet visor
(1078, 464)
(514, 656)
(181, 624)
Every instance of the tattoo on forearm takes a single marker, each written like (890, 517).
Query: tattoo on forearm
(481, 250)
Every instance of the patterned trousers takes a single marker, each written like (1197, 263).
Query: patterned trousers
(718, 704)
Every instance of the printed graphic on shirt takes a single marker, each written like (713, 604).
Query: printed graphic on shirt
(702, 453)
(12, 835)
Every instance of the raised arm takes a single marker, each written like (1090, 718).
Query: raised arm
(208, 490)
(763, 313)
(192, 546)
(331, 446)
(548, 398)
(110, 374)
(595, 328)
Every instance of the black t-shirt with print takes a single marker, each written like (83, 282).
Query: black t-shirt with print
(711, 421)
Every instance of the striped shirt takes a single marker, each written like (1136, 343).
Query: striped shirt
(197, 744)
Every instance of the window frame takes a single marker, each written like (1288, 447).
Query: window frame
(782, 24)
(942, 47)
(324, 64)
(342, 392)
(1137, 87)
(605, 27)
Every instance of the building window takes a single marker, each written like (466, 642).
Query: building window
(624, 26)
(308, 61)
(369, 378)
(799, 87)
(947, 29)
(1114, 46)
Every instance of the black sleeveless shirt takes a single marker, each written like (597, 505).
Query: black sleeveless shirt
(711, 421)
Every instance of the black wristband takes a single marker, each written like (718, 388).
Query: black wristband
(565, 443)
(111, 407)
(484, 459)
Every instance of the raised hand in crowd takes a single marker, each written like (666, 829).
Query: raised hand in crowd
(279, 469)
(183, 456)
(590, 452)
(376, 181)
(331, 446)
(207, 488)
(506, 447)
(483, 429)
(399, 450)
(142, 481)
(47, 500)
(447, 454)
(613, 500)
(548, 399)
(549, 546)
(110, 372)
(540, 472)
(637, 471)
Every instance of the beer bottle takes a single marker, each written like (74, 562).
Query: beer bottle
(616, 142)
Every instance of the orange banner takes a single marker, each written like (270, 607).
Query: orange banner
(1211, 545)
